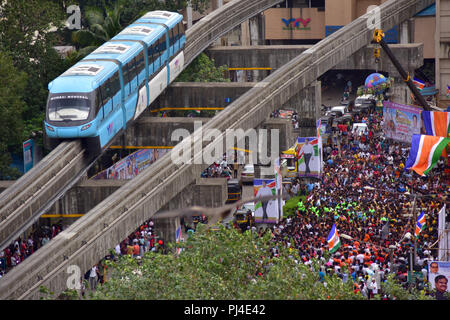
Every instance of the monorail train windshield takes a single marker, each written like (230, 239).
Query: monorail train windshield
(68, 107)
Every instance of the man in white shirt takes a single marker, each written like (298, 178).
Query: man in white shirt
(264, 191)
(93, 278)
(307, 151)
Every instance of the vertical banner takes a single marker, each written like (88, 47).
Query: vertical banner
(279, 185)
(400, 121)
(309, 155)
(443, 253)
(265, 211)
(28, 155)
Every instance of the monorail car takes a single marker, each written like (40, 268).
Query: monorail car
(104, 92)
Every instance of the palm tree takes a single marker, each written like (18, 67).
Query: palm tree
(101, 28)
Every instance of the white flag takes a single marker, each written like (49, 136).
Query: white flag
(442, 236)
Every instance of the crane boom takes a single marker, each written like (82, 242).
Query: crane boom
(378, 38)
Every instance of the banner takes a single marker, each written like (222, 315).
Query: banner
(28, 155)
(442, 236)
(438, 268)
(309, 154)
(286, 114)
(130, 166)
(267, 211)
(278, 186)
(401, 121)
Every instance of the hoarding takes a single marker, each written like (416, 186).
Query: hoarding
(265, 211)
(309, 150)
(401, 121)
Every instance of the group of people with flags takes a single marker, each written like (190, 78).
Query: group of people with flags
(371, 209)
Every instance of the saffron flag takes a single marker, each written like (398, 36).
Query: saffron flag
(425, 152)
(437, 123)
(333, 240)
(420, 224)
(418, 83)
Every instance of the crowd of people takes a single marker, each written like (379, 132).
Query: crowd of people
(22, 248)
(226, 167)
(293, 115)
(142, 240)
(368, 195)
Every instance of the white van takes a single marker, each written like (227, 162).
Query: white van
(364, 102)
(337, 111)
(359, 127)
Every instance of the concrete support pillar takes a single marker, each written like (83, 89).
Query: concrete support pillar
(442, 51)
(400, 92)
(307, 103)
(405, 32)
(286, 137)
(245, 33)
(189, 15)
(209, 193)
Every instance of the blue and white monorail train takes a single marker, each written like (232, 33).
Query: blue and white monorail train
(97, 97)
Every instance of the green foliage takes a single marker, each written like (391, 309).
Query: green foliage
(133, 9)
(290, 207)
(395, 291)
(13, 83)
(223, 264)
(103, 24)
(202, 69)
(24, 33)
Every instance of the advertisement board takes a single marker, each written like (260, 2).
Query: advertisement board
(401, 121)
(438, 272)
(132, 165)
(309, 150)
(28, 155)
(265, 211)
(294, 23)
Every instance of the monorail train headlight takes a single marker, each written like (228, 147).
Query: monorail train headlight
(85, 127)
(50, 128)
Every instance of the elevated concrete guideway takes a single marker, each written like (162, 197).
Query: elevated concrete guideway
(23, 203)
(88, 240)
(277, 56)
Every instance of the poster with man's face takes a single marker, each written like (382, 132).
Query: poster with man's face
(439, 274)
(401, 121)
(265, 211)
(309, 156)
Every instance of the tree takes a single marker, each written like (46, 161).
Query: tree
(103, 24)
(13, 83)
(202, 69)
(222, 264)
(25, 34)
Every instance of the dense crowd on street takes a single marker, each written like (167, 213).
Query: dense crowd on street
(22, 248)
(364, 191)
(368, 195)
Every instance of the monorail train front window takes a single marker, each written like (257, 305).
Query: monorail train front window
(68, 107)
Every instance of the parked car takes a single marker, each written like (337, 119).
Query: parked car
(337, 111)
(248, 173)
(365, 102)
